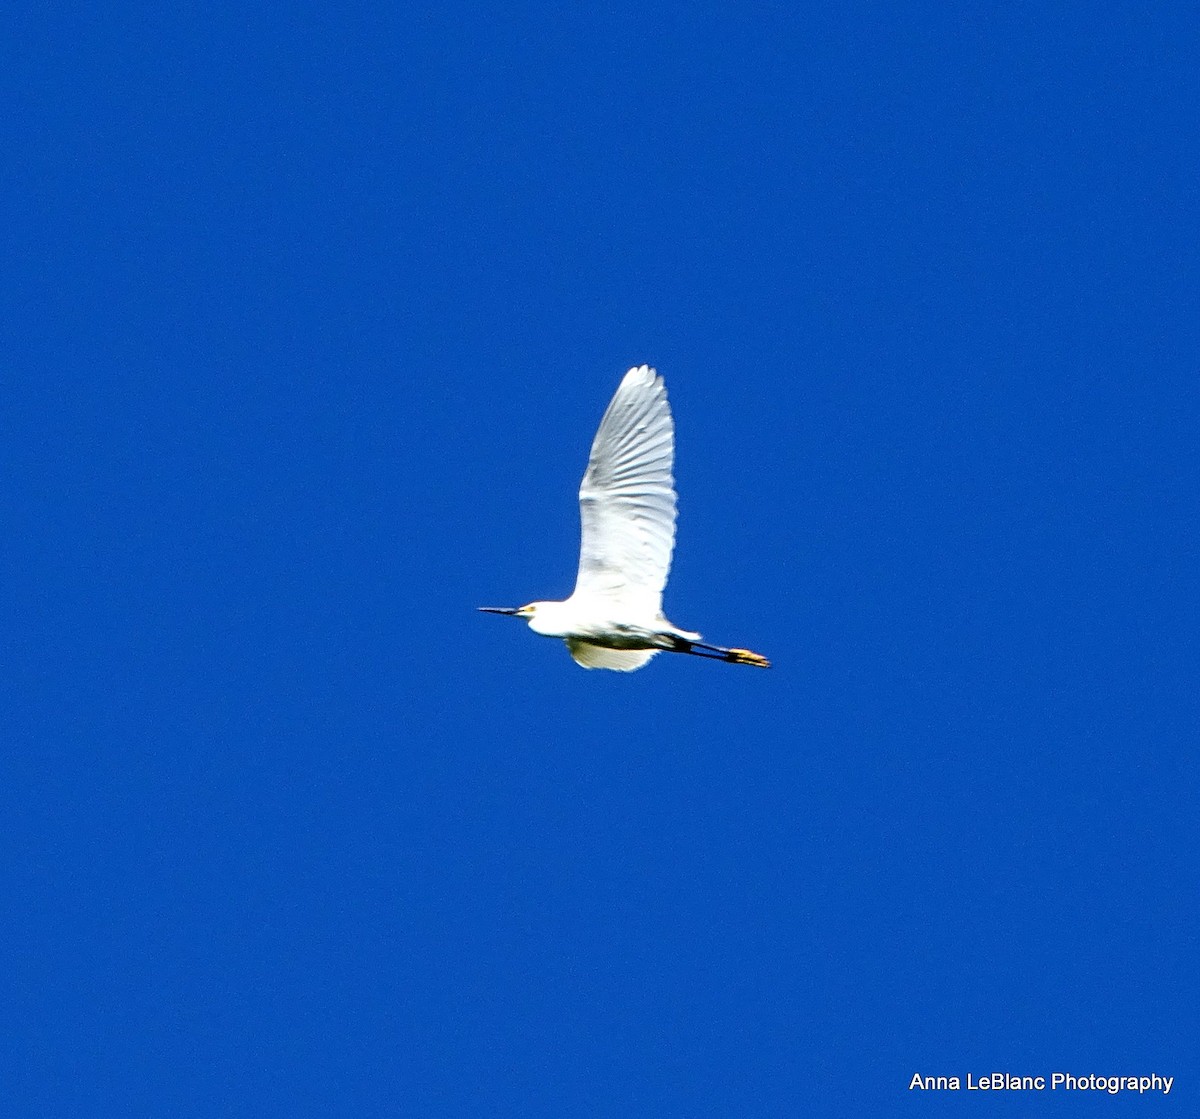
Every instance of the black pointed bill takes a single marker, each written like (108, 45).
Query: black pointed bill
(500, 609)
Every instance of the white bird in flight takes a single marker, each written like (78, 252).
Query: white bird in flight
(614, 617)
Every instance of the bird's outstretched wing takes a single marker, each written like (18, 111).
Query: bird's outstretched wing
(627, 499)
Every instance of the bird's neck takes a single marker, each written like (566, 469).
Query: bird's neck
(551, 619)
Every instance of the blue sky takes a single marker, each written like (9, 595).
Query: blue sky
(309, 317)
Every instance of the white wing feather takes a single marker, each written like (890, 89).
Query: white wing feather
(627, 499)
(596, 656)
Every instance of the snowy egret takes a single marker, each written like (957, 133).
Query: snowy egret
(614, 617)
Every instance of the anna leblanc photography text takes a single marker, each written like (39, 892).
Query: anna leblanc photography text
(1003, 1081)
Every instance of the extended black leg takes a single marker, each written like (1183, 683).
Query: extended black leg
(719, 653)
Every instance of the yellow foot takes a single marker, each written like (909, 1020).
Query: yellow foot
(744, 656)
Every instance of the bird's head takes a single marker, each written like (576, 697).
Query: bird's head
(541, 616)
